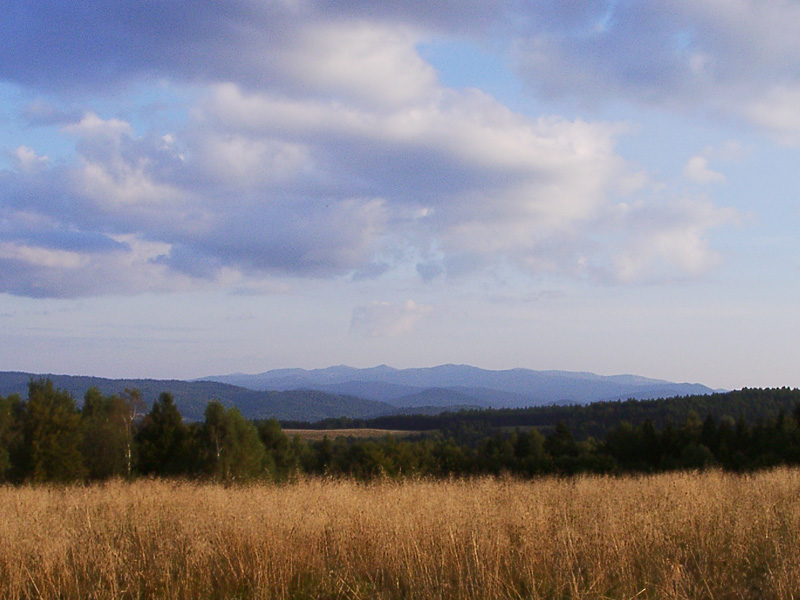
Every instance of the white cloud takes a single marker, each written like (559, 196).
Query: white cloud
(333, 150)
(664, 242)
(697, 170)
(385, 320)
(778, 111)
(478, 177)
(40, 257)
(250, 162)
(362, 62)
(27, 160)
(260, 186)
(131, 268)
(712, 56)
(107, 131)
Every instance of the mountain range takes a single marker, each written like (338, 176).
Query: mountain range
(446, 385)
(310, 395)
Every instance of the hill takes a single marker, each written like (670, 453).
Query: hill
(752, 406)
(191, 397)
(454, 385)
(336, 392)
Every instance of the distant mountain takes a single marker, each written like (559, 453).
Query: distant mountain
(192, 397)
(312, 395)
(459, 385)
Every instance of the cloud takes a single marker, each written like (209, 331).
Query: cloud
(657, 242)
(298, 46)
(385, 320)
(42, 113)
(778, 111)
(27, 160)
(732, 58)
(697, 170)
(314, 147)
(41, 272)
(259, 186)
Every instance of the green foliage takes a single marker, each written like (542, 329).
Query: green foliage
(8, 434)
(231, 445)
(45, 438)
(163, 439)
(591, 420)
(284, 455)
(51, 435)
(106, 435)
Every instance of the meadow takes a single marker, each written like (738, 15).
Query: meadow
(678, 535)
(315, 435)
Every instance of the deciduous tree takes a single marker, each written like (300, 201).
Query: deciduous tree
(51, 445)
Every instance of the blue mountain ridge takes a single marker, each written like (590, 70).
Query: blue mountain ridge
(429, 386)
(341, 391)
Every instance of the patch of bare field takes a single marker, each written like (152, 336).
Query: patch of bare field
(689, 535)
(315, 435)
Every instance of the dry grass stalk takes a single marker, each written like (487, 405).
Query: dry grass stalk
(709, 535)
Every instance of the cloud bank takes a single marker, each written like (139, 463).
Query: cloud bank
(318, 143)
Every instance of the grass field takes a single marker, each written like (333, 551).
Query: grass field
(314, 435)
(707, 535)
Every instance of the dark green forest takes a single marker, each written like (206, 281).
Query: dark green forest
(46, 437)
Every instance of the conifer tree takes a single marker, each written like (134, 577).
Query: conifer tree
(161, 439)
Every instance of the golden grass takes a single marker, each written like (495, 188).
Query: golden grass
(315, 435)
(709, 535)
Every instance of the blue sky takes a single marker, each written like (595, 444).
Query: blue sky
(246, 185)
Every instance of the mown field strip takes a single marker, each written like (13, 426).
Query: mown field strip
(314, 435)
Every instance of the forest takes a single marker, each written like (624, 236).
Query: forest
(47, 437)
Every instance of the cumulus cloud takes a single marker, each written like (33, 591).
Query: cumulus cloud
(317, 147)
(93, 47)
(778, 111)
(697, 170)
(128, 268)
(385, 320)
(657, 242)
(27, 160)
(734, 58)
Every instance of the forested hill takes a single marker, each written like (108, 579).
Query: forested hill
(44, 437)
(448, 385)
(192, 397)
(326, 410)
(750, 405)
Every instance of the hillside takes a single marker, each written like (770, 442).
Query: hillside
(335, 392)
(752, 406)
(450, 385)
(191, 397)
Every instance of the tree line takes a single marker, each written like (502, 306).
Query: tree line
(46, 437)
(587, 420)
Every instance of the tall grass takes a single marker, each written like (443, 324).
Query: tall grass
(708, 535)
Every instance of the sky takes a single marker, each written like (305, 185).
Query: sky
(202, 188)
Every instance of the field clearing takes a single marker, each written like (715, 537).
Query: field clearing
(681, 535)
(315, 435)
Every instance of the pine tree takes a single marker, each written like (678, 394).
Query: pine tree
(161, 439)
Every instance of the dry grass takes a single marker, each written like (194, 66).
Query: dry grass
(710, 535)
(314, 435)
